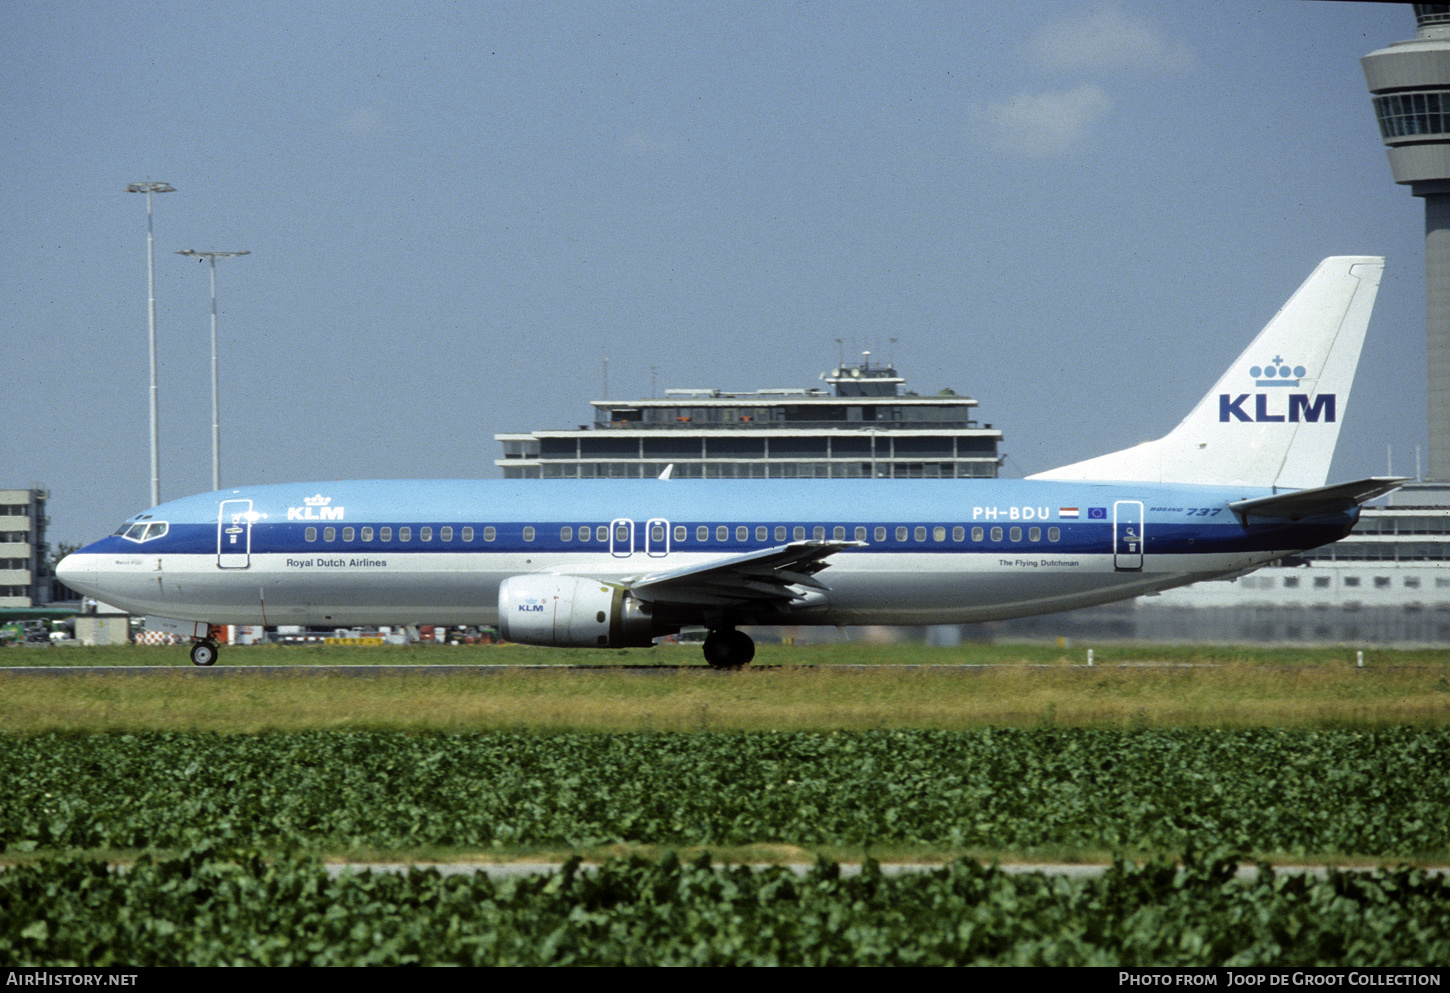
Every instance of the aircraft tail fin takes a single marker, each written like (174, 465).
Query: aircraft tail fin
(1273, 418)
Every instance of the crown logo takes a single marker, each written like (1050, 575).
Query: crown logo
(317, 501)
(1277, 374)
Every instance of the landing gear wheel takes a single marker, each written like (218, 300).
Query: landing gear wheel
(204, 653)
(728, 649)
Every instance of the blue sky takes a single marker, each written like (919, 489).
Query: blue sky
(1078, 213)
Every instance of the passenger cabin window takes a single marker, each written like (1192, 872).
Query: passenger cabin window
(425, 534)
(1016, 534)
(490, 533)
(702, 533)
(838, 533)
(798, 533)
(367, 534)
(528, 533)
(1034, 534)
(997, 534)
(468, 534)
(445, 534)
(959, 534)
(405, 534)
(860, 534)
(680, 532)
(742, 533)
(566, 533)
(780, 532)
(348, 534)
(920, 534)
(818, 532)
(385, 534)
(1054, 534)
(977, 534)
(762, 533)
(311, 534)
(901, 534)
(938, 534)
(329, 534)
(880, 534)
(722, 533)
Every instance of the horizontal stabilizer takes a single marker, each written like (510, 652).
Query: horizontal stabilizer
(1320, 500)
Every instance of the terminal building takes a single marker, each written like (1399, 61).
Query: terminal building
(864, 426)
(1387, 583)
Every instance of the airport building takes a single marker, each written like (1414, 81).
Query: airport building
(864, 426)
(23, 576)
(1388, 583)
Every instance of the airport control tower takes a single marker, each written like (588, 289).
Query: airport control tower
(1410, 81)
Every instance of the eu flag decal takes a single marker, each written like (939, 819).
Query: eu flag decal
(1097, 513)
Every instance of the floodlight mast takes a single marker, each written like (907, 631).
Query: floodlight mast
(216, 424)
(149, 188)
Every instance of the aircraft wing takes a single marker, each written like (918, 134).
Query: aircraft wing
(1319, 500)
(763, 576)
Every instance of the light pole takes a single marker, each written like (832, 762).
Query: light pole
(216, 424)
(149, 188)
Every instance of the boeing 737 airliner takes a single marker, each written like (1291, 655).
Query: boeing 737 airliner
(1238, 483)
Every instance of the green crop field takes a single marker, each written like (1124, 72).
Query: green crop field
(1054, 792)
(223, 789)
(207, 907)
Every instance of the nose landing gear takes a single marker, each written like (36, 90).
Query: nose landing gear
(205, 649)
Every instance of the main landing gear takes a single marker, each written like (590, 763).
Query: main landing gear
(728, 648)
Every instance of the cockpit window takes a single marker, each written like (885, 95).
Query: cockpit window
(144, 530)
(132, 523)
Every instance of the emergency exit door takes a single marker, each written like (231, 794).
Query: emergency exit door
(1128, 535)
(234, 534)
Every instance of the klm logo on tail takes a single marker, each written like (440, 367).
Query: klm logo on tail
(1278, 376)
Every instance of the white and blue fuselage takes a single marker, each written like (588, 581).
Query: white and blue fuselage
(436, 551)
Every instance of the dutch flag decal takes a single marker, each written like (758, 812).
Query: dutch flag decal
(1067, 512)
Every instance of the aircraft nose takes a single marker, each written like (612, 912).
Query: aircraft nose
(74, 572)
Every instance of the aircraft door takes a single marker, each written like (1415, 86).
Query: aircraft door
(657, 537)
(234, 534)
(621, 538)
(1128, 535)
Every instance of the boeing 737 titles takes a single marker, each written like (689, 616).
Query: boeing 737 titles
(1240, 482)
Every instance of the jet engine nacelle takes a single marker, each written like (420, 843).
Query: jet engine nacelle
(572, 612)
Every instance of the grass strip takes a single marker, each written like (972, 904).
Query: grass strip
(823, 698)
